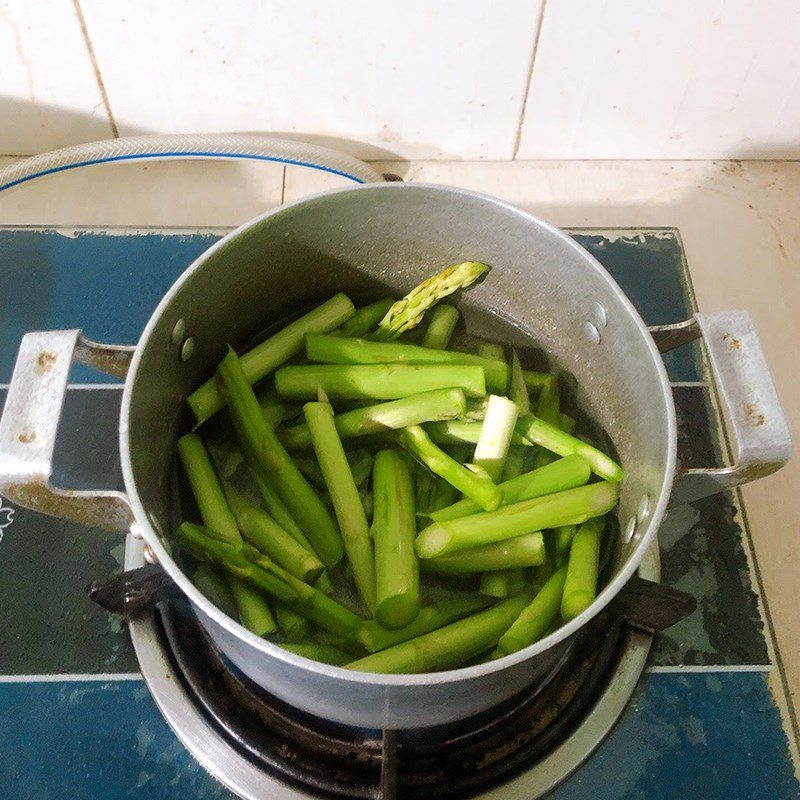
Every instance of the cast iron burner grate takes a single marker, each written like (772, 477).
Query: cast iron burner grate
(458, 760)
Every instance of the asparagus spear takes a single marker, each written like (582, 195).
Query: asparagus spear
(494, 584)
(266, 455)
(491, 351)
(517, 389)
(324, 653)
(393, 531)
(213, 585)
(540, 432)
(259, 529)
(580, 587)
(365, 319)
(440, 328)
(478, 487)
(495, 437)
(563, 537)
(516, 581)
(206, 489)
(271, 353)
(377, 381)
(447, 647)
(532, 623)
(293, 627)
(409, 311)
(466, 432)
(344, 495)
(515, 463)
(566, 423)
(335, 350)
(521, 551)
(435, 405)
(262, 573)
(572, 505)
(566, 473)
(373, 636)
(537, 380)
(254, 612)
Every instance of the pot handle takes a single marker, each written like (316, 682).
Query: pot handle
(30, 422)
(761, 438)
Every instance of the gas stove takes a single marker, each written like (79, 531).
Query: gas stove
(618, 719)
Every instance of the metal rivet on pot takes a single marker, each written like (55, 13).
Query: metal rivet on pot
(592, 332)
(644, 507)
(149, 556)
(599, 315)
(188, 349)
(630, 529)
(178, 332)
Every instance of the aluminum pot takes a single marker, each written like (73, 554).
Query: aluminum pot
(544, 292)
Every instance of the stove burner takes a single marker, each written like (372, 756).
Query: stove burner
(457, 760)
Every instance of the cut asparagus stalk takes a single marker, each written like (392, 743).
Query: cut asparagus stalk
(365, 319)
(566, 423)
(491, 351)
(324, 653)
(259, 571)
(494, 584)
(537, 380)
(515, 463)
(562, 538)
(254, 611)
(580, 586)
(344, 496)
(495, 437)
(566, 473)
(373, 636)
(393, 532)
(516, 581)
(266, 455)
(211, 582)
(260, 530)
(476, 486)
(517, 388)
(522, 551)
(448, 647)
(550, 511)
(335, 350)
(440, 329)
(563, 444)
(548, 404)
(466, 432)
(207, 491)
(293, 626)
(271, 353)
(377, 381)
(439, 404)
(408, 312)
(535, 621)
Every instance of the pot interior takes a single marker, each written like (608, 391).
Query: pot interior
(544, 295)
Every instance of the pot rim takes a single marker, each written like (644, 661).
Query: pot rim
(448, 676)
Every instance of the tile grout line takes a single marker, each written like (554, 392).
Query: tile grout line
(524, 107)
(96, 67)
(70, 676)
(670, 669)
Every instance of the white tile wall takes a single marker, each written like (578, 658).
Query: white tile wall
(696, 79)
(49, 96)
(416, 79)
(666, 79)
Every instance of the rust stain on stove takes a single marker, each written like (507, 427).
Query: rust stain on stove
(27, 436)
(44, 363)
(733, 342)
(754, 416)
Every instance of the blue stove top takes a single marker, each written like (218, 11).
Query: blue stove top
(78, 720)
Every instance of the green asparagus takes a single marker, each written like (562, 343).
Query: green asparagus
(344, 496)
(336, 350)
(440, 329)
(474, 484)
(550, 511)
(495, 437)
(494, 584)
(271, 353)
(580, 587)
(521, 551)
(447, 647)
(293, 626)
(324, 653)
(393, 531)
(365, 319)
(254, 611)
(377, 381)
(211, 582)
(409, 311)
(266, 455)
